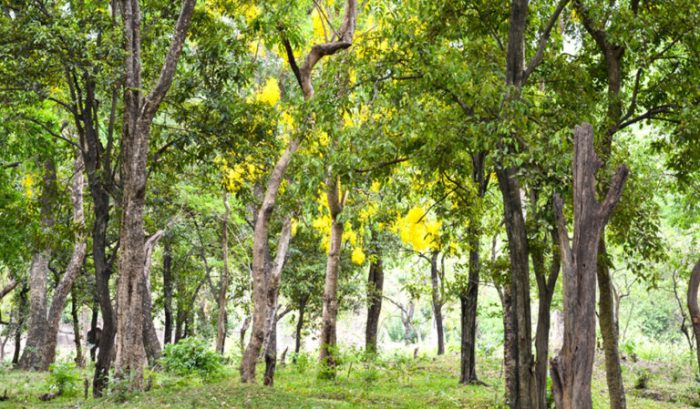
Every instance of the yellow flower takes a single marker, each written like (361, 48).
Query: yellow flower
(270, 92)
(375, 187)
(251, 13)
(358, 256)
(27, 183)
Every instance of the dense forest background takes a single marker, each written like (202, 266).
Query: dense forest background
(491, 202)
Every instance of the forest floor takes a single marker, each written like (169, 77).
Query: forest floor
(396, 382)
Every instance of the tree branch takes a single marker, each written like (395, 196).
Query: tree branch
(544, 39)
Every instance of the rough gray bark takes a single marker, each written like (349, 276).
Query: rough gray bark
(150, 337)
(223, 284)
(261, 234)
(572, 369)
(693, 308)
(31, 358)
(336, 203)
(375, 285)
(139, 111)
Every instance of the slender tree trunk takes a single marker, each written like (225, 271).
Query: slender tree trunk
(693, 308)
(242, 332)
(223, 285)
(180, 322)
(168, 291)
(20, 320)
(375, 285)
(609, 330)
(60, 295)
(79, 357)
(437, 302)
(300, 325)
(545, 288)
(31, 358)
(572, 369)
(510, 364)
(468, 302)
(336, 202)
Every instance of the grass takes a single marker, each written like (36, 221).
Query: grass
(392, 382)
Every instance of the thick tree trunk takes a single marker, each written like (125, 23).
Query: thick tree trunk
(300, 325)
(336, 202)
(168, 291)
(510, 364)
(38, 277)
(223, 284)
(693, 308)
(572, 369)
(79, 357)
(468, 302)
(150, 336)
(375, 285)
(437, 302)
(139, 112)
(609, 330)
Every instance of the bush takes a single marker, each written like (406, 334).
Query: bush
(192, 356)
(642, 381)
(302, 361)
(63, 378)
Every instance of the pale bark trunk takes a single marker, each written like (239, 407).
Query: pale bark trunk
(223, 284)
(336, 202)
(150, 337)
(75, 264)
(693, 308)
(38, 277)
(139, 112)
(572, 369)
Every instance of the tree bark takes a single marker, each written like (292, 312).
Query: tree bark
(572, 368)
(437, 301)
(21, 318)
(336, 202)
(545, 288)
(31, 358)
(79, 357)
(693, 308)
(8, 288)
(510, 364)
(300, 325)
(223, 285)
(139, 112)
(60, 295)
(150, 336)
(168, 291)
(375, 285)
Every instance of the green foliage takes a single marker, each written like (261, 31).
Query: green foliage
(192, 356)
(64, 378)
(642, 379)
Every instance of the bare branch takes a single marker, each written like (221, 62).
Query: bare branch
(615, 191)
(8, 288)
(544, 39)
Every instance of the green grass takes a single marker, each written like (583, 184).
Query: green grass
(393, 382)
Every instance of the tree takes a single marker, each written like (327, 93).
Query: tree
(139, 112)
(572, 369)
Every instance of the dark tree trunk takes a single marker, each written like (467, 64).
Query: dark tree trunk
(168, 291)
(223, 284)
(693, 308)
(437, 301)
(300, 325)
(545, 288)
(572, 369)
(79, 358)
(469, 297)
(180, 321)
(510, 364)
(21, 318)
(375, 285)
(242, 332)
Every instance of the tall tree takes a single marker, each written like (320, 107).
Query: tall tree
(139, 111)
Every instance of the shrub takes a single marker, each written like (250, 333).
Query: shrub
(63, 378)
(301, 362)
(192, 356)
(642, 381)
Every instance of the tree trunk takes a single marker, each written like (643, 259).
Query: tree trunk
(609, 330)
(437, 302)
(336, 202)
(79, 357)
(31, 358)
(300, 325)
(693, 308)
(168, 291)
(375, 285)
(242, 332)
(139, 112)
(223, 285)
(468, 302)
(572, 368)
(60, 295)
(545, 288)
(21, 318)
(510, 364)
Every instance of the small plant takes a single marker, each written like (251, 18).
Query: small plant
(642, 381)
(119, 389)
(63, 378)
(192, 356)
(301, 362)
